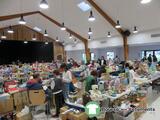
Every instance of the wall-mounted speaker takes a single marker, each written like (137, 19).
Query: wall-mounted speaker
(126, 33)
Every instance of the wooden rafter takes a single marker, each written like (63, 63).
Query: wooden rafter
(113, 23)
(105, 15)
(8, 17)
(84, 40)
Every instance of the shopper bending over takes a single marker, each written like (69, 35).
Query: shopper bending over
(90, 80)
(35, 83)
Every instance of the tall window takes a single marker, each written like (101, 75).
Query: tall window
(110, 55)
(84, 57)
(147, 52)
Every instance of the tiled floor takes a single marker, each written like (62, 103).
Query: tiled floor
(152, 115)
(154, 102)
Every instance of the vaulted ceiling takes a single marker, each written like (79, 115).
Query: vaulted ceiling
(129, 12)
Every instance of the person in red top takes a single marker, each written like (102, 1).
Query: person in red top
(35, 83)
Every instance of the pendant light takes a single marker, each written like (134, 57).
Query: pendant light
(3, 36)
(63, 27)
(89, 37)
(34, 38)
(10, 30)
(90, 32)
(135, 30)
(45, 33)
(91, 17)
(109, 34)
(25, 42)
(22, 21)
(145, 1)
(44, 4)
(75, 41)
(70, 36)
(57, 40)
(46, 43)
(118, 24)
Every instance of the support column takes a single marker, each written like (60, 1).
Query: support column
(125, 47)
(87, 51)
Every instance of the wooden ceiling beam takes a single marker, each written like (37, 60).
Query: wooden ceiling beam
(8, 17)
(67, 29)
(105, 16)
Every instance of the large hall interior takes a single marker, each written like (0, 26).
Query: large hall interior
(79, 60)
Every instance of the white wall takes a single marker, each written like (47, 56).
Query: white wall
(137, 43)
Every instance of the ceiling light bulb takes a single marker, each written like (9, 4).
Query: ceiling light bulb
(34, 37)
(10, 30)
(90, 31)
(46, 43)
(57, 40)
(44, 4)
(91, 17)
(25, 42)
(145, 1)
(70, 36)
(109, 34)
(118, 24)
(63, 27)
(22, 21)
(3, 36)
(75, 41)
(89, 37)
(45, 33)
(135, 30)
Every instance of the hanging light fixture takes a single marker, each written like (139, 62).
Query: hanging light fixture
(44, 4)
(34, 37)
(10, 30)
(118, 24)
(91, 17)
(22, 21)
(75, 41)
(70, 36)
(89, 37)
(109, 34)
(90, 32)
(46, 43)
(25, 42)
(45, 33)
(63, 27)
(135, 30)
(145, 1)
(3, 36)
(57, 40)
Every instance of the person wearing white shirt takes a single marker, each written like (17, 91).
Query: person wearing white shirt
(67, 80)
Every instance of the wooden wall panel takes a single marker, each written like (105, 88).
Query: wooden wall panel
(23, 33)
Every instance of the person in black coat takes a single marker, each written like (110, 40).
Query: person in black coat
(102, 61)
(56, 86)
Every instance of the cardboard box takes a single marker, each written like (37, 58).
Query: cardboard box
(71, 115)
(37, 97)
(6, 106)
(25, 99)
(20, 116)
(79, 116)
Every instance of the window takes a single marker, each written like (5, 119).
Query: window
(92, 56)
(84, 57)
(110, 55)
(84, 6)
(147, 52)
